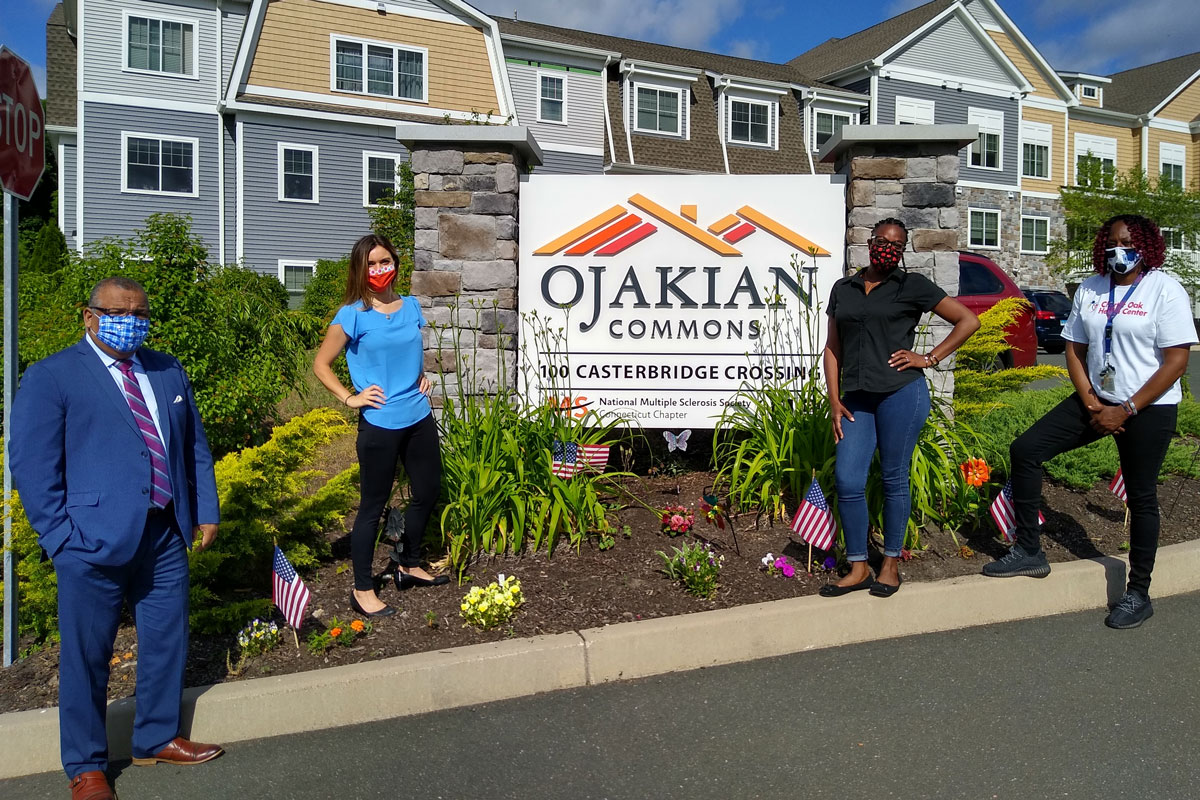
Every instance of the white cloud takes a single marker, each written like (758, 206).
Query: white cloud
(745, 48)
(683, 23)
(1119, 36)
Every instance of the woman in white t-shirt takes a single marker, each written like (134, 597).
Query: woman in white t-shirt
(1128, 338)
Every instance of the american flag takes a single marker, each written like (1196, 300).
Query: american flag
(814, 521)
(1005, 516)
(571, 457)
(288, 590)
(1117, 487)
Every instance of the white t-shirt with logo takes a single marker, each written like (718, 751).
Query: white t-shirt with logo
(1157, 314)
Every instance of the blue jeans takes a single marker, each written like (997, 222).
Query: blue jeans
(892, 422)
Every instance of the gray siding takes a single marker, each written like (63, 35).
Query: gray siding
(233, 22)
(950, 107)
(560, 163)
(110, 212)
(277, 230)
(66, 190)
(584, 108)
(951, 49)
(981, 13)
(229, 146)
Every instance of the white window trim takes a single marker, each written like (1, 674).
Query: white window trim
(127, 135)
(992, 122)
(683, 121)
(1175, 155)
(369, 154)
(772, 107)
(1098, 97)
(312, 148)
(999, 229)
(293, 262)
(194, 75)
(1166, 243)
(923, 105)
(560, 75)
(1022, 242)
(1102, 147)
(334, 38)
(1039, 134)
(851, 119)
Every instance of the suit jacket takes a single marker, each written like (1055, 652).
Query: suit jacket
(81, 465)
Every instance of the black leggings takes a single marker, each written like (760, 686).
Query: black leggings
(379, 450)
(1142, 448)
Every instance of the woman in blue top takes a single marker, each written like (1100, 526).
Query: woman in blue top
(381, 333)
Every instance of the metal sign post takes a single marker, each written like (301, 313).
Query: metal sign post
(10, 386)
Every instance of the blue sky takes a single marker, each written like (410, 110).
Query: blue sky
(1099, 36)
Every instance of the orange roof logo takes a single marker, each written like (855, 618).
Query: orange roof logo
(618, 229)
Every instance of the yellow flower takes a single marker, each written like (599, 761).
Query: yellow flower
(465, 606)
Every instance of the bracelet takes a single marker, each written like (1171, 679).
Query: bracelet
(932, 360)
(346, 400)
(1129, 408)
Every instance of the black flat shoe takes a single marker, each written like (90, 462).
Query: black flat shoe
(884, 589)
(386, 611)
(833, 590)
(406, 581)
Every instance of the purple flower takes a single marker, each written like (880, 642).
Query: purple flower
(829, 563)
(788, 570)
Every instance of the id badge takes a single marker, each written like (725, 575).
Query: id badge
(1108, 379)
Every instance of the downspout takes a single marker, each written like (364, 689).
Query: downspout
(612, 151)
(220, 137)
(810, 117)
(875, 94)
(626, 87)
(721, 122)
(1145, 134)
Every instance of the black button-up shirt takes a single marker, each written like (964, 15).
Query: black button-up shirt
(873, 326)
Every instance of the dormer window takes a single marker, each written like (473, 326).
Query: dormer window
(1089, 92)
(657, 110)
(379, 69)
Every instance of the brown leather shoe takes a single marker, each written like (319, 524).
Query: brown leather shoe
(91, 786)
(181, 751)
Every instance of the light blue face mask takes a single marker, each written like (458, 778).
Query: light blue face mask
(1123, 260)
(124, 334)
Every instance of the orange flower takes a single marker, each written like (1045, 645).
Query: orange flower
(975, 471)
(357, 626)
(335, 632)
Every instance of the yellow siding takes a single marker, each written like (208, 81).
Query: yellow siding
(1193, 165)
(1156, 137)
(1041, 86)
(1186, 105)
(1091, 102)
(1129, 146)
(294, 53)
(1057, 121)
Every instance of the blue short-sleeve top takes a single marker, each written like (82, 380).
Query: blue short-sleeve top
(386, 350)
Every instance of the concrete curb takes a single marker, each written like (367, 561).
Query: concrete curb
(424, 682)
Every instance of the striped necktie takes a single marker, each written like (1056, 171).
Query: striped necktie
(160, 482)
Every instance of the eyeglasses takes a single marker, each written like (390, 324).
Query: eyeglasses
(881, 240)
(140, 313)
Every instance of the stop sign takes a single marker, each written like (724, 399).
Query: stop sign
(22, 127)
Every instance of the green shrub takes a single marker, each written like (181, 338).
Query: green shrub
(37, 583)
(324, 293)
(978, 376)
(49, 251)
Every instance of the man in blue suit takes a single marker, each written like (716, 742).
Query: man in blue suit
(115, 475)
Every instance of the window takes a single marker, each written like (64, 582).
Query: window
(1035, 149)
(974, 278)
(1089, 92)
(1171, 159)
(298, 173)
(985, 151)
(911, 111)
(160, 45)
(1035, 235)
(657, 110)
(380, 180)
(749, 122)
(295, 277)
(985, 228)
(1095, 160)
(379, 69)
(1173, 239)
(158, 164)
(827, 125)
(552, 98)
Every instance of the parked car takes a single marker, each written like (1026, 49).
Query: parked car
(1050, 311)
(982, 284)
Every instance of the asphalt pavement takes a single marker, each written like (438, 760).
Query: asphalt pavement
(1057, 707)
(1060, 360)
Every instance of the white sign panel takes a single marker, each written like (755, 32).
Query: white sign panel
(658, 297)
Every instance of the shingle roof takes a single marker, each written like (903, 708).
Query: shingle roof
(835, 55)
(1139, 90)
(61, 55)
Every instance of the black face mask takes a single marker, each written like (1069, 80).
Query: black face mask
(885, 255)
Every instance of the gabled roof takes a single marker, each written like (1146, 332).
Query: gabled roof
(1143, 89)
(835, 55)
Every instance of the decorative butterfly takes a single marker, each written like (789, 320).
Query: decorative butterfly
(677, 441)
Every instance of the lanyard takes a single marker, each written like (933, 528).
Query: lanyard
(1112, 311)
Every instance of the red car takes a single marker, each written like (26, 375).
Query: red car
(982, 284)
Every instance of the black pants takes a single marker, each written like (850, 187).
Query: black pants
(1142, 448)
(379, 450)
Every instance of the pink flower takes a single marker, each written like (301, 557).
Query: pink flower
(676, 521)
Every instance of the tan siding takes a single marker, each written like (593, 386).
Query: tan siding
(294, 54)
(1057, 120)
(1041, 86)
(1090, 102)
(1157, 137)
(1186, 105)
(1129, 147)
(1193, 165)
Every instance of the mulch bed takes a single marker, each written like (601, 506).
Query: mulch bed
(593, 587)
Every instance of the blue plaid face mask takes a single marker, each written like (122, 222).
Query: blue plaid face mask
(124, 334)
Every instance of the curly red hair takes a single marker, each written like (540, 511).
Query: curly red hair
(1144, 235)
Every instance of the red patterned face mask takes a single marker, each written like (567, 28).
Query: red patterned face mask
(380, 278)
(885, 255)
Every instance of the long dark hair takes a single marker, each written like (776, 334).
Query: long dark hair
(1144, 235)
(357, 288)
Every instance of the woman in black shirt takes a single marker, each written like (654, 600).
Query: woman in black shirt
(878, 395)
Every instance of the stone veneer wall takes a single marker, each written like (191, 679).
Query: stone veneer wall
(465, 258)
(914, 183)
(1034, 273)
(1027, 270)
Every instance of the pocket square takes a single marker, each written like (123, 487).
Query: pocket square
(178, 399)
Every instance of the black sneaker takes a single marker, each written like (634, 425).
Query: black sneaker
(1130, 611)
(1018, 562)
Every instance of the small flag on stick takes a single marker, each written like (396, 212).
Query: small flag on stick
(571, 457)
(1005, 516)
(1117, 487)
(288, 590)
(814, 521)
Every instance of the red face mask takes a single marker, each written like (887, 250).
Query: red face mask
(380, 278)
(885, 255)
